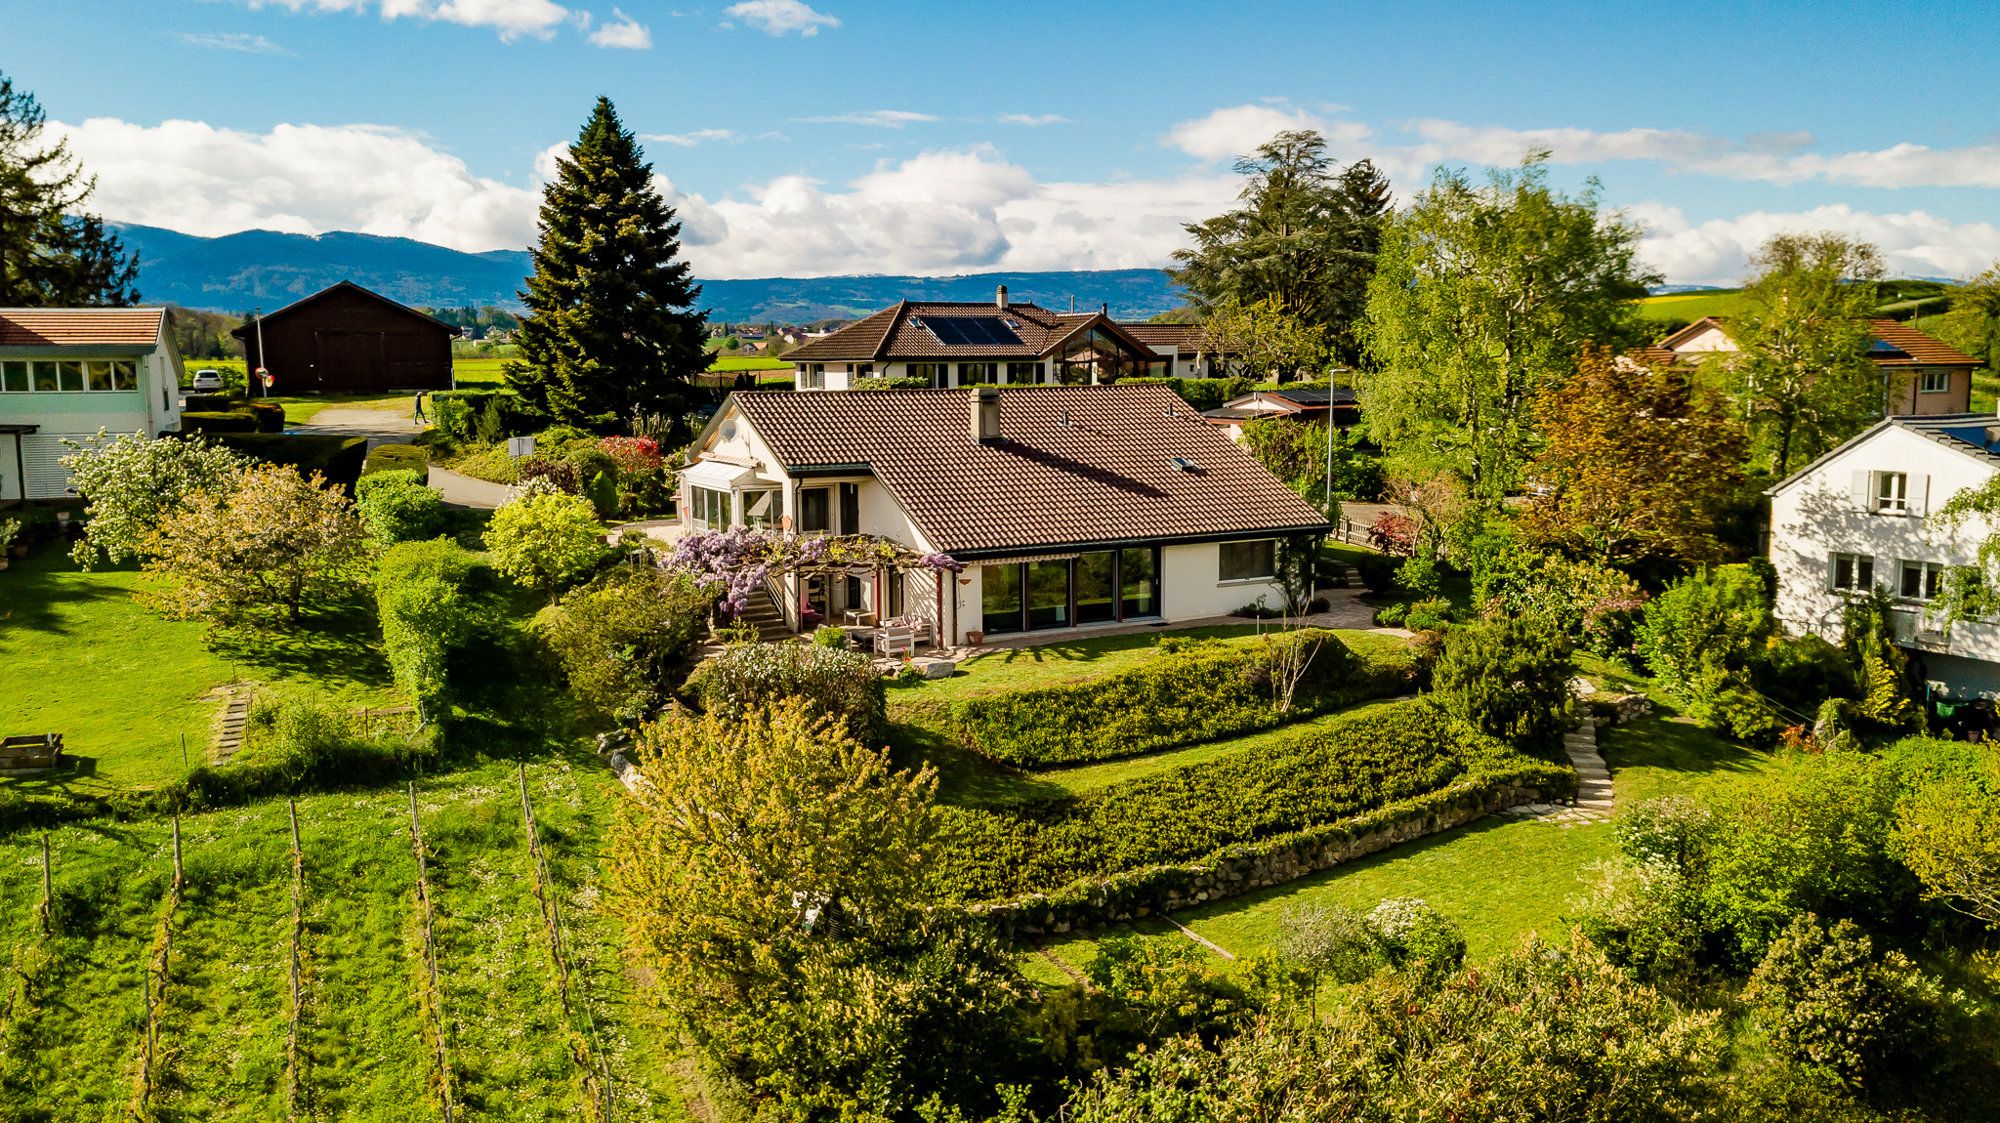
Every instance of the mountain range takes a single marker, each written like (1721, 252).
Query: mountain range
(264, 269)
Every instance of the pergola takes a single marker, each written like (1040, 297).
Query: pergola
(732, 555)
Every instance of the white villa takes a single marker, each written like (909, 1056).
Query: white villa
(1855, 519)
(955, 344)
(65, 373)
(1068, 506)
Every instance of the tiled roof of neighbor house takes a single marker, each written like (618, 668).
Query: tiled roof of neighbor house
(1919, 348)
(1187, 337)
(1073, 466)
(899, 334)
(69, 327)
(1659, 355)
(1922, 348)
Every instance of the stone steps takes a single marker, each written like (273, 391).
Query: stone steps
(229, 727)
(1595, 797)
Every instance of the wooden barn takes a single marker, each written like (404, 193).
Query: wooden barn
(348, 340)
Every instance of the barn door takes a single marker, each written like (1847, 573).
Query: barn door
(348, 362)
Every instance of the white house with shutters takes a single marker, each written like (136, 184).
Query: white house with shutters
(66, 373)
(1856, 518)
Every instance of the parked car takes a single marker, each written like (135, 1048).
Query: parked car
(207, 380)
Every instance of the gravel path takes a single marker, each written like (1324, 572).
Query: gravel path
(388, 426)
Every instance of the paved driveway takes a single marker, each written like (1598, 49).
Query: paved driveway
(389, 426)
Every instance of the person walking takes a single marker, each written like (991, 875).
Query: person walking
(418, 419)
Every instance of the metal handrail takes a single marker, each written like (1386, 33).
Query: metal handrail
(785, 604)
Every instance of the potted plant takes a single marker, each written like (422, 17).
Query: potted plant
(975, 637)
(9, 531)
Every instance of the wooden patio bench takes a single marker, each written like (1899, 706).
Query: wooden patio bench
(25, 756)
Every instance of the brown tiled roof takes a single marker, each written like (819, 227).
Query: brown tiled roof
(1658, 355)
(70, 327)
(897, 334)
(1187, 337)
(1074, 465)
(1923, 348)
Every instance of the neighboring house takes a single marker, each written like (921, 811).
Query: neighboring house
(1292, 405)
(1069, 506)
(952, 344)
(348, 340)
(66, 373)
(1185, 350)
(1855, 519)
(1921, 374)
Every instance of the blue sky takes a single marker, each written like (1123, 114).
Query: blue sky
(835, 136)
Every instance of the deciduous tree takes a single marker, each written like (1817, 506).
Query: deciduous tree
(274, 540)
(544, 540)
(1948, 833)
(611, 328)
(625, 642)
(1266, 340)
(52, 252)
(1802, 376)
(1636, 464)
(770, 870)
(132, 481)
(1483, 297)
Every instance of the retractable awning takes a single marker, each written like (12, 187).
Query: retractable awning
(718, 475)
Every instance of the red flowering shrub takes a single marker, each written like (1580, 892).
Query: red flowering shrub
(632, 454)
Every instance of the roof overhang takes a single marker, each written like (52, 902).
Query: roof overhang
(16, 429)
(1042, 550)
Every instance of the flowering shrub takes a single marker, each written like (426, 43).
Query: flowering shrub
(632, 455)
(131, 482)
(835, 683)
(1394, 533)
(736, 560)
(562, 473)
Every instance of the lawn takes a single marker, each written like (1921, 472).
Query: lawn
(123, 685)
(1498, 878)
(735, 363)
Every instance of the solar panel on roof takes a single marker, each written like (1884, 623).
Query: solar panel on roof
(1883, 349)
(969, 329)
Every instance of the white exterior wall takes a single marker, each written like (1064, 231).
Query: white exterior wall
(1710, 338)
(1191, 586)
(1818, 515)
(153, 408)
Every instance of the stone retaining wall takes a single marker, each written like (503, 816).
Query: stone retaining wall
(1250, 866)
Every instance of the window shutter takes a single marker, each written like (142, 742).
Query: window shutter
(1920, 496)
(1864, 496)
(1833, 572)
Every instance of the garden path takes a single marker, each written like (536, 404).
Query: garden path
(392, 426)
(1594, 794)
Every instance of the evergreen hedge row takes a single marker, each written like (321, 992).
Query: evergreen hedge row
(399, 458)
(336, 458)
(1200, 692)
(1320, 775)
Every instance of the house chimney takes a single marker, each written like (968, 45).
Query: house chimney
(1000, 297)
(985, 414)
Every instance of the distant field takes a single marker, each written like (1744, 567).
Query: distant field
(1687, 307)
(747, 362)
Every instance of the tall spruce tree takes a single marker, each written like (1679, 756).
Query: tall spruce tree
(611, 328)
(51, 253)
(1364, 204)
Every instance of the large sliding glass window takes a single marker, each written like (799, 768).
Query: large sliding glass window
(976, 374)
(1097, 588)
(1000, 598)
(1138, 583)
(1048, 594)
(937, 374)
(1024, 374)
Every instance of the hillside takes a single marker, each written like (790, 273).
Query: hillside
(260, 268)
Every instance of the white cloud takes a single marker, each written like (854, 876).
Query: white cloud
(1237, 130)
(231, 41)
(511, 18)
(1485, 144)
(779, 17)
(1032, 119)
(876, 118)
(689, 140)
(1717, 251)
(623, 32)
(305, 179)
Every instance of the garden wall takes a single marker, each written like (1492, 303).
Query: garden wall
(1245, 867)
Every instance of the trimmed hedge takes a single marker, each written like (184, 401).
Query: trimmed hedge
(399, 458)
(1201, 692)
(900, 382)
(480, 415)
(1321, 775)
(209, 403)
(219, 421)
(337, 458)
(270, 416)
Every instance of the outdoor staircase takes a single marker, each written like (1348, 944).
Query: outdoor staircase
(762, 613)
(1593, 803)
